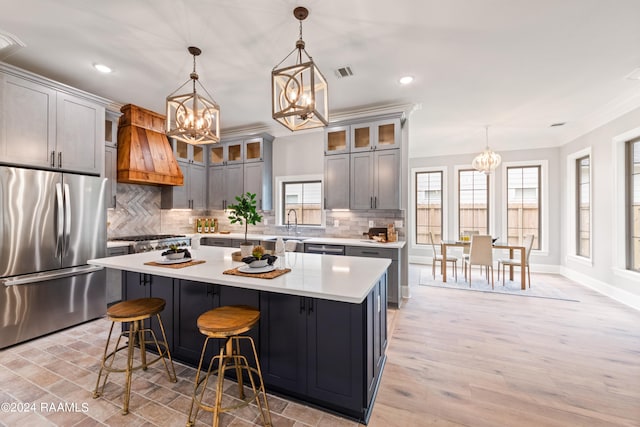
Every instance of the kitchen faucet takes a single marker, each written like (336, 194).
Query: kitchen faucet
(295, 217)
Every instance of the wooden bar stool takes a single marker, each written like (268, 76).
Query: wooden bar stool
(134, 312)
(228, 323)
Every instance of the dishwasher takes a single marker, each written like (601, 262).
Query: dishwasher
(315, 248)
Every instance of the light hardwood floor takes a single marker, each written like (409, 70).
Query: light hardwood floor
(460, 358)
(455, 358)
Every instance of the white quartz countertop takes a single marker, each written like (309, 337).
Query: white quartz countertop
(315, 240)
(336, 278)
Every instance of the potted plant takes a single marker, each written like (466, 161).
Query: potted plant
(245, 212)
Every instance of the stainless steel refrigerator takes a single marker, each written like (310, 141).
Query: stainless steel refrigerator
(51, 223)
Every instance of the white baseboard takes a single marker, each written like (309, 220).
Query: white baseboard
(613, 292)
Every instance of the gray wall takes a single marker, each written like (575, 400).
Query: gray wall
(604, 257)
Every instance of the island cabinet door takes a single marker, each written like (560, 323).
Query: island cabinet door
(229, 295)
(376, 334)
(191, 299)
(139, 285)
(283, 342)
(336, 356)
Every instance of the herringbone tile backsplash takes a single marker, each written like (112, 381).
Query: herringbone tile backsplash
(138, 212)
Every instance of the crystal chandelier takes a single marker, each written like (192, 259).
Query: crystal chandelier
(191, 117)
(487, 161)
(299, 90)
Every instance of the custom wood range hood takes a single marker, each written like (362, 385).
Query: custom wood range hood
(145, 155)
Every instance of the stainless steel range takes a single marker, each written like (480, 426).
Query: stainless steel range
(152, 242)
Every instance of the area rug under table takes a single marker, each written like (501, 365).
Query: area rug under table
(542, 286)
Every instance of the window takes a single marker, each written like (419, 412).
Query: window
(305, 199)
(523, 204)
(583, 206)
(473, 201)
(428, 197)
(633, 203)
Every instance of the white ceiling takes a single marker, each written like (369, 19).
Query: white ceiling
(516, 65)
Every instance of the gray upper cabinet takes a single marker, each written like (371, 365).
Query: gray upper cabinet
(336, 181)
(79, 134)
(238, 166)
(111, 156)
(192, 194)
(224, 184)
(45, 125)
(379, 135)
(188, 152)
(111, 172)
(362, 164)
(337, 140)
(375, 180)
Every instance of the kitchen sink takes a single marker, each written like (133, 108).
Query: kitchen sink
(285, 238)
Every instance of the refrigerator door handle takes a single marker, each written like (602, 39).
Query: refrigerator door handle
(43, 277)
(67, 217)
(60, 222)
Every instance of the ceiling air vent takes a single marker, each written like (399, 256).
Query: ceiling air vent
(344, 72)
(557, 124)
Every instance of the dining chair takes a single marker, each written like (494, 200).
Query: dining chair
(465, 249)
(481, 254)
(438, 258)
(516, 262)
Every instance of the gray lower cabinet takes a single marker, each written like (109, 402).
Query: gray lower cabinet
(327, 353)
(114, 277)
(394, 275)
(227, 243)
(215, 241)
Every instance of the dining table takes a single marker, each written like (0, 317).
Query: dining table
(497, 245)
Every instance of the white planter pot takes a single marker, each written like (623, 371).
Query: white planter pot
(245, 250)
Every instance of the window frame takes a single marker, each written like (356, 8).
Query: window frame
(490, 183)
(629, 190)
(544, 200)
(571, 202)
(414, 204)
(539, 201)
(578, 205)
(279, 198)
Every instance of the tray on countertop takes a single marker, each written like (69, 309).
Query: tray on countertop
(178, 265)
(269, 275)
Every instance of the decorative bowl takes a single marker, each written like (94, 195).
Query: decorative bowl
(175, 255)
(259, 263)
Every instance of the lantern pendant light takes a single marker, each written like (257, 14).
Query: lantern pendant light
(487, 161)
(299, 91)
(191, 117)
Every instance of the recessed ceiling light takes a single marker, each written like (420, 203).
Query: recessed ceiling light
(406, 80)
(102, 68)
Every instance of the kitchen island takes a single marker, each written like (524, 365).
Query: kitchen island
(323, 330)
